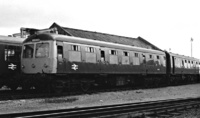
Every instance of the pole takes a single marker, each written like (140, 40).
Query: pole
(191, 46)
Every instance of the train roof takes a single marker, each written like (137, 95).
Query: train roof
(71, 39)
(11, 40)
(183, 56)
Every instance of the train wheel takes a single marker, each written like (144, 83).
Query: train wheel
(85, 86)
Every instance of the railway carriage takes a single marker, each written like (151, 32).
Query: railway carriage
(10, 51)
(182, 69)
(68, 61)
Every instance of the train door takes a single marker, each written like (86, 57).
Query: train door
(103, 60)
(173, 65)
(143, 63)
(61, 66)
(168, 63)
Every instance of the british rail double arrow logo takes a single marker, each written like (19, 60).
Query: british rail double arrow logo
(75, 67)
(12, 66)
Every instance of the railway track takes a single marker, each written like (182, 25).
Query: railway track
(163, 108)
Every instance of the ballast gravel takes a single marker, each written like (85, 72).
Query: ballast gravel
(98, 99)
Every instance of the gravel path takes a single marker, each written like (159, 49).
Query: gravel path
(105, 98)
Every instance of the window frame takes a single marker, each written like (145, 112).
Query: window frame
(75, 47)
(36, 49)
(32, 53)
(126, 53)
(90, 49)
(113, 52)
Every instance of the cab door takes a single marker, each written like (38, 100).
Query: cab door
(61, 63)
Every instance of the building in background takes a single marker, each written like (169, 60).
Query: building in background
(55, 28)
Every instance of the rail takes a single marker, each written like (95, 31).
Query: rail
(143, 109)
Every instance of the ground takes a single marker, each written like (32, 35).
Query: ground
(104, 98)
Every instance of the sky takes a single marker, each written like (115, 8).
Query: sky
(168, 24)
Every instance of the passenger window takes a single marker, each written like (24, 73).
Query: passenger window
(113, 52)
(125, 53)
(12, 53)
(89, 49)
(75, 48)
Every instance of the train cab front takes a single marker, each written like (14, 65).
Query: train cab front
(37, 56)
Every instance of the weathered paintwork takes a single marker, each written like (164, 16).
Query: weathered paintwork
(78, 61)
(65, 66)
(183, 64)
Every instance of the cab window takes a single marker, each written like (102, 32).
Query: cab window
(42, 50)
(28, 51)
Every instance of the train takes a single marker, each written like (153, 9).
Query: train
(59, 63)
(10, 51)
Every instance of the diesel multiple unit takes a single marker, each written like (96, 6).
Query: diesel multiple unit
(60, 62)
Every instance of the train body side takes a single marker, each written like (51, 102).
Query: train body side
(62, 61)
(69, 55)
(182, 68)
(183, 65)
